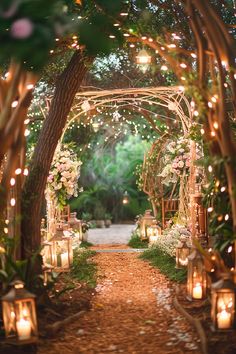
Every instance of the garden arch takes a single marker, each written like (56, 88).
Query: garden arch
(171, 98)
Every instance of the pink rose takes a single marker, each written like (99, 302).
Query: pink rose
(174, 165)
(181, 164)
(22, 28)
(188, 163)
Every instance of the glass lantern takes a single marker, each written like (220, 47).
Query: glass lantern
(223, 303)
(197, 277)
(182, 253)
(46, 253)
(125, 199)
(147, 220)
(19, 315)
(62, 252)
(153, 233)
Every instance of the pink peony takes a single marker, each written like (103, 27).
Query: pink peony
(22, 28)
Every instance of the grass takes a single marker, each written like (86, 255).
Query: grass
(136, 242)
(83, 269)
(165, 264)
(85, 244)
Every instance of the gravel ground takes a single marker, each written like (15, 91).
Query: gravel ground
(131, 313)
(116, 234)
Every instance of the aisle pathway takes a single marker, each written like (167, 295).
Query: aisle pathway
(116, 234)
(131, 313)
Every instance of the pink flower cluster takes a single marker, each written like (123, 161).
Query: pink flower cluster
(181, 162)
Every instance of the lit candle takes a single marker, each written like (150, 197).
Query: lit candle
(23, 329)
(224, 319)
(197, 291)
(64, 260)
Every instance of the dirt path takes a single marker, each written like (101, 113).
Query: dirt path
(131, 313)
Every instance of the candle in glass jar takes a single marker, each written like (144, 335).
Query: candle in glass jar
(64, 260)
(23, 329)
(197, 291)
(224, 319)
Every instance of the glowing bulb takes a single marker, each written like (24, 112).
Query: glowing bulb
(215, 125)
(230, 249)
(18, 171)
(26, 121)
(196, 114)
(183, 65)
(12, 181)
(13, 202)
(164, 68)
(14, 104)
(210, 209)
(193, 55)
(202, 131)
(26, 172)
(223, 189)
(29, 86)
(27, 132)
(226, 217)
(210, 105)
(210, 169)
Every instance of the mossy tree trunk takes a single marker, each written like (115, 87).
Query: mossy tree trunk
(33, 194)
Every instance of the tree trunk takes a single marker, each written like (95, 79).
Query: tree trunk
(66, 87)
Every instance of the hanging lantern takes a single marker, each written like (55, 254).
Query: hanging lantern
(143, 58)
(153, 232)
(197, 278)
(125, 199)
(96, 126)
(62, 252)
(19, 315)
(147, 220)
(182, 253)
(223, 303)
(46, 253)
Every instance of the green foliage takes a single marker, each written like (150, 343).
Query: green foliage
(85, 244)
(28, 30)
(164, 263)
(83, 269)
(105, 176)
(136, 242)
(24, 270)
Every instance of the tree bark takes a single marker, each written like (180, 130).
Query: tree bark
(66, 87)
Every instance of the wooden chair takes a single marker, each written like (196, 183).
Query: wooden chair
(169, 209)
(64, 214)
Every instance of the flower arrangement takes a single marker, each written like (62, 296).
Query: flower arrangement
(63, 176)
(167, 243)
(176, 161)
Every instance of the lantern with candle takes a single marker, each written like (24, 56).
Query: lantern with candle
(19, 315)
(223, 303)
(182, 252)
(47, 253)
(197, 277)
(143, 60)
(62, 252)
(153, 232)
(125, 199)
(147, 220)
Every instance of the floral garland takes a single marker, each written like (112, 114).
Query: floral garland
(63, 176)
(176, 161)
